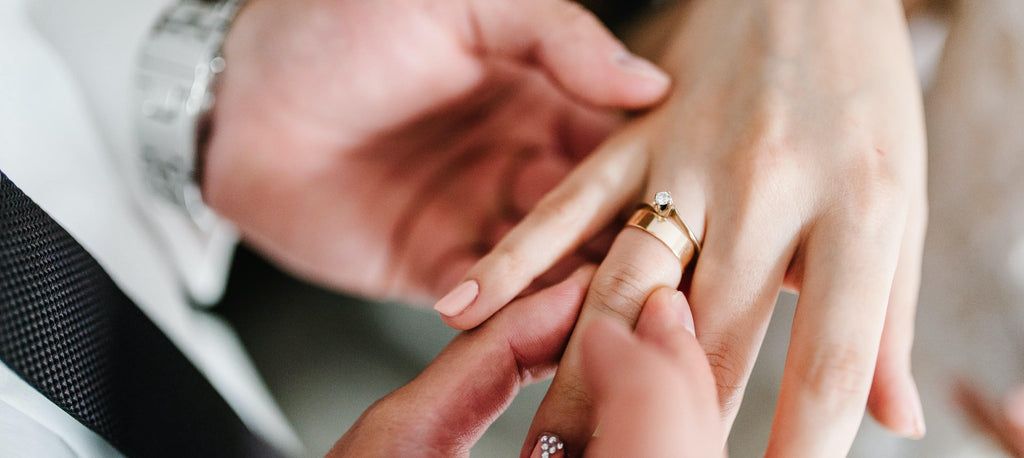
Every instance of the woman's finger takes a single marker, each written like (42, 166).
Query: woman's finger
(571, 44)
(894, 400)
(733, 291)
(850, 263)
(636, 265)
(450, 405)
(575, 210)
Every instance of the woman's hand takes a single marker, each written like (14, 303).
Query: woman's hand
(383, 147)
(446, 409)
(654, 393)
(794, 146)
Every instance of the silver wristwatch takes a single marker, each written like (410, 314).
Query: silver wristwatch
(177, 69)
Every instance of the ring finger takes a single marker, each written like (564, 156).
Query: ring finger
(637, 264)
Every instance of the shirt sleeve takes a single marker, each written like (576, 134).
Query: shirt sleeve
(99, 41)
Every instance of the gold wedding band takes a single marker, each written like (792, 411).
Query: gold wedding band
(661, 220)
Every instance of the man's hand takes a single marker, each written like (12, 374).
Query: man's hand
(446, 409)
(382, 147)
(654, 393)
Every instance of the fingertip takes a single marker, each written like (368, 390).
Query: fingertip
(583, 275)
(557, 300)
(624, 80)
(572, 46)
(665, 311)
(682, 308)
(656, 315)
(588, 61)
(458, 299)
(645, 82)
(895, 403)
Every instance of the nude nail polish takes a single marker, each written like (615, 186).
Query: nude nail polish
(460, 298)
(548, 446)
(917, 409)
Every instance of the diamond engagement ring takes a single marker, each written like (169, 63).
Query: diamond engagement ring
(661, 220)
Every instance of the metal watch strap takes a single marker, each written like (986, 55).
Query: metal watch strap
(175, 80)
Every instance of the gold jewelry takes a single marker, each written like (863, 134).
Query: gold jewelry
(661, 220)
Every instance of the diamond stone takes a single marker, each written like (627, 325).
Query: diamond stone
(663, 198)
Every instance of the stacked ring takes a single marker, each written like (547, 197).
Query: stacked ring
(661, 220)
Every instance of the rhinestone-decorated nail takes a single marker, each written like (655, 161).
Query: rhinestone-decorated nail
(548, 446)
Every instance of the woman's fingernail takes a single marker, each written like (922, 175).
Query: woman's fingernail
(548, 446)
(683, 310)
(639, 66)
(456, 301)
(919, 426)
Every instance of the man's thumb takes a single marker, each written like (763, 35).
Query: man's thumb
(571, 45)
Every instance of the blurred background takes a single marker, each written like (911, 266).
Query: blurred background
(327, 357)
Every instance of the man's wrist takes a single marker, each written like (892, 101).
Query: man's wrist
(177, 69)
(175, 73)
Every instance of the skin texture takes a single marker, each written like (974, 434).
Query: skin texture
(446, 409)
(654, 394)
(382, 147)
(793, 143)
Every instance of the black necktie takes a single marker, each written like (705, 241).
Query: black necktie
(68, 331)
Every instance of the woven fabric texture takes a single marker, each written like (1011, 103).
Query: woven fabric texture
(68, 331)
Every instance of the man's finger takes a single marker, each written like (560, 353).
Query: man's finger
(665, 311)
(571, 44)
(653, 394)
(450, 405)
(636, 265)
